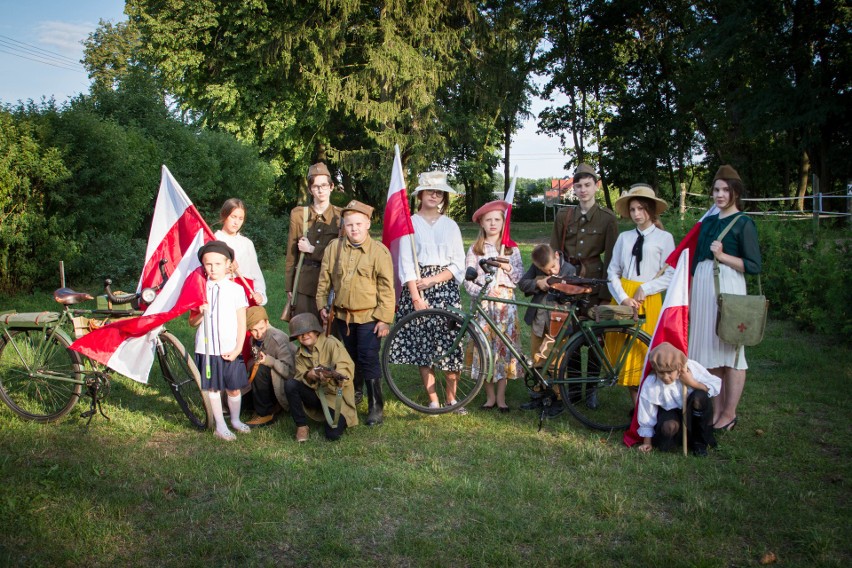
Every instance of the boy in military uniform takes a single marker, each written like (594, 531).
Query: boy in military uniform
(315, 352)
(312, 227)
(360, 272)
(585, 234)
(273, 365)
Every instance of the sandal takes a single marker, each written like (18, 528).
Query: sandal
(488, 406)
(727, 427)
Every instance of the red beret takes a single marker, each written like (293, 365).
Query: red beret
(498, 205)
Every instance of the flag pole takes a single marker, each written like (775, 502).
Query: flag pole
(683, 417)
(414, 255)
(410, 235)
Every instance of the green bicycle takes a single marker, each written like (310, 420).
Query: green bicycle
(41, 379)
(585, 362)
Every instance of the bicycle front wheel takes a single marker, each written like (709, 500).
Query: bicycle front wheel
(183, 377)
(40, 378)
(591, 390)
(416, 360)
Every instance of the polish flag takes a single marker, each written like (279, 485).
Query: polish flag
(129, 346)
(177, 232)
(507, 242)
(690, 241)
(174, 226)
(673, 327)
(397, 220)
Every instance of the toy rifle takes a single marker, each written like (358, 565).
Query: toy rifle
(329, 306)
(291, 305)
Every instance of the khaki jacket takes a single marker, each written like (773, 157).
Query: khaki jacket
(322, 229)
(328, 352)
(586, 240)
(362, 281)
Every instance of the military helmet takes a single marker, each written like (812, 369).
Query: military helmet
(303, 323)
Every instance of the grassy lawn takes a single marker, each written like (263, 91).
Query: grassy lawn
(479, 490)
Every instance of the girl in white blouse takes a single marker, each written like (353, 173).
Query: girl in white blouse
(232, 216)
(636, 273)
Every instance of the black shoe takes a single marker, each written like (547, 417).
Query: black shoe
(375, 413)
(555, 409)
(592, 398)
(534, 404)
(699, 451)
(359, 396)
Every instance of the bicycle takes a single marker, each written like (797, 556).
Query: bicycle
(41, 379)
(587, 356)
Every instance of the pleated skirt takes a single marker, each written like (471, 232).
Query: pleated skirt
(704, 345)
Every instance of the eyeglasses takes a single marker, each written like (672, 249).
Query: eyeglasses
(436, 192)
(322, 187)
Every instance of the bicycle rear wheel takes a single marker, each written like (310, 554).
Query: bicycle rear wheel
(591, 391)
(180, 373)
(40, 378)
(435, 331)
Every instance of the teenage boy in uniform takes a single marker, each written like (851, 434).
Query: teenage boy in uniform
(273, 365)
(585, 234)
(360, 272)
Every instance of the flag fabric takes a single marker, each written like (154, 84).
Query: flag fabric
(174, 226)
(506, 242)
(690, 241)
(128, 346)
(397, 219)
(177, 232)
(672, 327)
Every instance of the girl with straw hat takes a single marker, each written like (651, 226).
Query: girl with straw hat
(636, 274)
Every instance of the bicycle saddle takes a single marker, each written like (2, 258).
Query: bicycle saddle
(67, 296)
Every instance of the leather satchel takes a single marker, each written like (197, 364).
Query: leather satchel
(740, 319)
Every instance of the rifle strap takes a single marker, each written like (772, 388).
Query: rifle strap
(338, 404)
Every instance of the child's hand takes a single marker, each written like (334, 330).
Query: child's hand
(257, 297)
(687, 378)
(425, 283)
(541, 284)
(630, 302)
(646, 447)
(203, 308)
(232, 356)
(261, 357)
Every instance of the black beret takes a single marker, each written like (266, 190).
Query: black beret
(215, 246)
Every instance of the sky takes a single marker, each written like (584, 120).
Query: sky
(40, 51)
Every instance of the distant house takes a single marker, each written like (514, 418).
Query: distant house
(560, 190)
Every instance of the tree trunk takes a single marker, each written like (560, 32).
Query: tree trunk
(804, 172)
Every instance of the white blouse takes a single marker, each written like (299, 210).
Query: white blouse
(657, 247)
(655, 394)
(438, 244)
(224, 297)
(246, 257)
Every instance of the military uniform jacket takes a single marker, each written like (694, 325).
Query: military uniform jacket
(328, 352)
(586, 239)
(279, 356)
(322, 229)
(362, 280)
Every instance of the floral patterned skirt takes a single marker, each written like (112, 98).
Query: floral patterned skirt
(506, 317)
(422, 345)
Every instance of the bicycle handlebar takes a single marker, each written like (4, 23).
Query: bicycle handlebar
(128, 298)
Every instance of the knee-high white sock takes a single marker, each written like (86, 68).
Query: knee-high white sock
(215, 399)
(234, 403)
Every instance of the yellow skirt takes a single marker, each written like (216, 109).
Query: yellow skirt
(631, 373)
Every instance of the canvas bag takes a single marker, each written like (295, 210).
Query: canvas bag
(740, 319)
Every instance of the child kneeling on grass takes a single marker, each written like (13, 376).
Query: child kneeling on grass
(661, 401)
(315, 351)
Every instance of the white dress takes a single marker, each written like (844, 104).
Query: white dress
(246, 256)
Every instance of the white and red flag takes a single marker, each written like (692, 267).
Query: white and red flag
(506, 242)
(672, 327)
(690, 241)
(397, 221)
(177, 232)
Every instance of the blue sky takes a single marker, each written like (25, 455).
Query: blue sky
(40, 51)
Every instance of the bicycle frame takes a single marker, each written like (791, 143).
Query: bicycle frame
(584, 329)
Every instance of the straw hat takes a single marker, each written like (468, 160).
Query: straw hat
(638, 190)
(434, 180)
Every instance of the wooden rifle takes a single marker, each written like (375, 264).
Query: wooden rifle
(329, 307)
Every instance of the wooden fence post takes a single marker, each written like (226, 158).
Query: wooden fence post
(682, 199)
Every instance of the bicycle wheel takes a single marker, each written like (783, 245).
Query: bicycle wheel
(435, 330)
(591, 391)
(180, 373)
(40, 378)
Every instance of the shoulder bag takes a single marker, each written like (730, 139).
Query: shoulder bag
(741, 319)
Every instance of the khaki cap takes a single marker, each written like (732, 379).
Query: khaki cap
(585, 168)
(318, 169)
(358, 207)
(726, 172)
(255, 315)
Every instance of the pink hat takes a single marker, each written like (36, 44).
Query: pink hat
(498, 205)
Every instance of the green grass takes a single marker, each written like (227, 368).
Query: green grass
(478, 490)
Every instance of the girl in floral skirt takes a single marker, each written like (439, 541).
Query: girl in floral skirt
(491, 218)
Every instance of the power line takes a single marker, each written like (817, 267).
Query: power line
(79, 69)
(30, 47)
